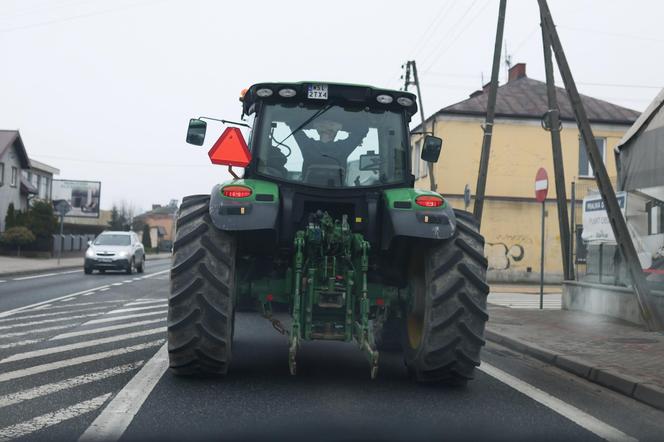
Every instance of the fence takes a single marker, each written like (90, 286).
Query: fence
(70, 243)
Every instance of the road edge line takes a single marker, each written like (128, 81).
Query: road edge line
(568, 411)
(112, 422)
(623, 384)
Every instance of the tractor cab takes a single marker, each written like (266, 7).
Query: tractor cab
(324, 135)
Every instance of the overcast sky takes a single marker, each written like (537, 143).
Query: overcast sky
(103, 90)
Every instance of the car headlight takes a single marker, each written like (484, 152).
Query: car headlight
(89, 253)
(123, 254)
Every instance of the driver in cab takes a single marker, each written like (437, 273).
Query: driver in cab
(327, 156)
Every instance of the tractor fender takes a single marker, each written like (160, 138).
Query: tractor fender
(259, 211)
(427, 223)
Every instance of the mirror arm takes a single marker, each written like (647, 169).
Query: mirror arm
(225, 121)
(428, 132)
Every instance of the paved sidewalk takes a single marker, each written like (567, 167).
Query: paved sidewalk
(11, 265)
(613, 353)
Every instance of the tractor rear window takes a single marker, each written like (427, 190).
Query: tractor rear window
(331, 146)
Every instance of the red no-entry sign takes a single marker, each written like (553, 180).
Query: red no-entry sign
(541, 185)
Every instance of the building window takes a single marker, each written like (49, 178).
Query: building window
(2, 174)
(585, 169)
(14, 177)
(416, 159)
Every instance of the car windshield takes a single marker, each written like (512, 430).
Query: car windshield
(331, 146)
(112, 240)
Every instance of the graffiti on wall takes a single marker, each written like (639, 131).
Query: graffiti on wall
(502, 256)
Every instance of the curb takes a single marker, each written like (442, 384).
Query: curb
(644, 392)
(64, 267)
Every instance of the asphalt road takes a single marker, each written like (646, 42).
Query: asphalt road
(84, 357)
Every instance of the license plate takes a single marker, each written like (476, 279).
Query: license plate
(317, 91)
(105, 260)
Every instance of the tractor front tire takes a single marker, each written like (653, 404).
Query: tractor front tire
(444, 330)
(200, 307)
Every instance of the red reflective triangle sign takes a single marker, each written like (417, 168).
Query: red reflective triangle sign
(230, 149)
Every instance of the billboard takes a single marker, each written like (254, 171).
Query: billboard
(82, 197)
(596, 226)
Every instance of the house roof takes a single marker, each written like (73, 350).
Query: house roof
(162, 210)
(527, 98)
(13, 138)
(38, 165)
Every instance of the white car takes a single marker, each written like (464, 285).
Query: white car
(115, 251)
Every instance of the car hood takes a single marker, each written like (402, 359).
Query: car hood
(113, 249)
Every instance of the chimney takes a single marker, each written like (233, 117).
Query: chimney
(156, 206)
(517, 71)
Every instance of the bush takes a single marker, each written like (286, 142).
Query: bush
(18, 236)
(146, 240)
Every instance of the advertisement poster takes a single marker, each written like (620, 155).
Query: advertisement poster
(82, 197)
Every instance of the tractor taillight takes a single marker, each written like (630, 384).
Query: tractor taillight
(429, 201)
(236, 191)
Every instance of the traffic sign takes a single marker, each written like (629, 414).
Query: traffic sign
(541, 185)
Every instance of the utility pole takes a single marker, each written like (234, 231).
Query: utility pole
(551, 123)
(490, 115)
(416, 81)
(618, 224)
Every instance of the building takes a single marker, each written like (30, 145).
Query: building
(40, 177)
(511, 219)
(161, 221)
(21, 179)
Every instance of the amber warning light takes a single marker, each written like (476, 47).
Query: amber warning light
(230, 149)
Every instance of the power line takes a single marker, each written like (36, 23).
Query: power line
(76, 17)
(465, 28)
(612, 34)
(448, 31)
(419, 45)
(120, 163)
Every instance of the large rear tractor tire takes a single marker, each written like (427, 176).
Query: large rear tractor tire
(200, 307)
(444, 329)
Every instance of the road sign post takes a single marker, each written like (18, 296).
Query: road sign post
(62, 207)
(541, 190)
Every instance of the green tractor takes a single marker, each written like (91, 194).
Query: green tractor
(326, 222)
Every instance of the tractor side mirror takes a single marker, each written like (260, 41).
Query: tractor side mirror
(431, 148)
(370, 161)
(196, 132)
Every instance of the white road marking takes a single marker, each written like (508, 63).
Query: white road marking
(145, 301)
(117, 283)
(43, 390)
(579, 417)
(44, 315)
(117, 318)
(105, 289)
(128, 281)
(50, 419)
(118, 414)
(2, 280)
(81, 344)
(47, 321)
(37, 369)
(20, 343)
(38, 304)
(44, 275)
(68, 299)
(72, 306)
(135, 309)
(37, 331)
(105, 329)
